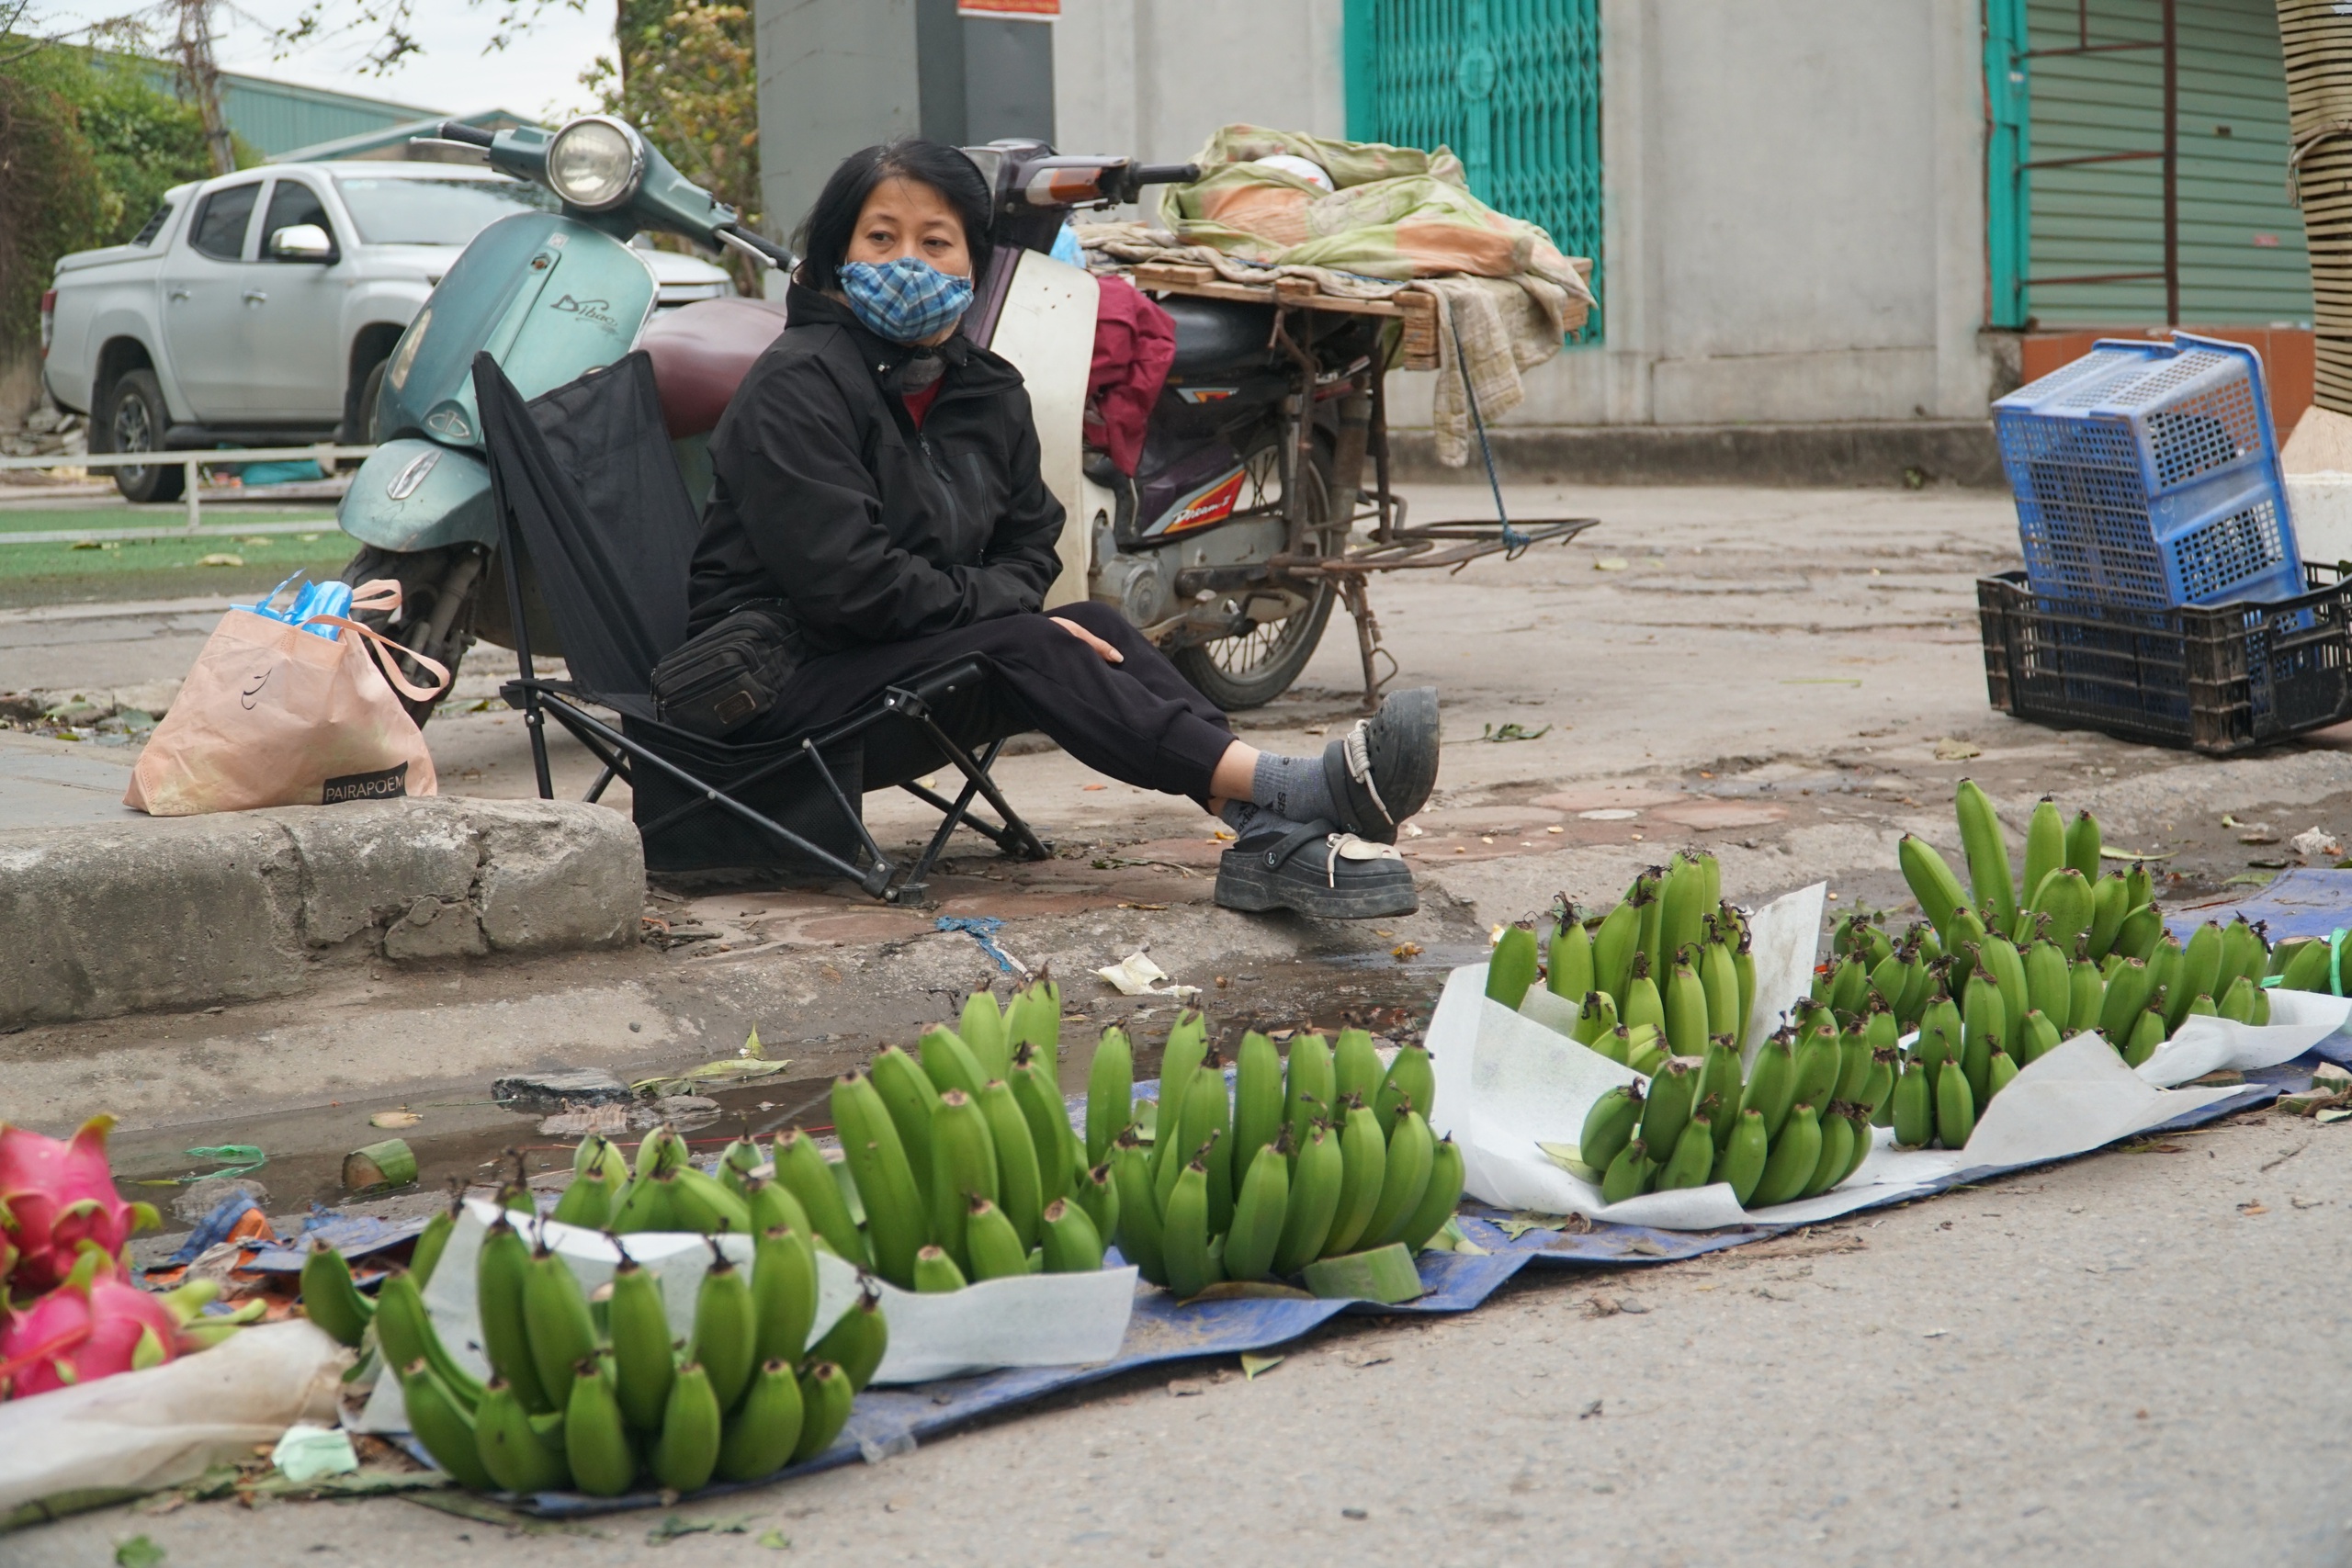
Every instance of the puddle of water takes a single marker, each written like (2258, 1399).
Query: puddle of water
(465, 1136)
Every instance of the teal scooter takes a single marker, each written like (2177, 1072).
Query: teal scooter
(550, 296)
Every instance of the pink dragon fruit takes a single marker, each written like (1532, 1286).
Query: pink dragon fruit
(97, 1323)
(93, 1325)
(54, 1197)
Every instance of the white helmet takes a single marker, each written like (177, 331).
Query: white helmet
(1297, 167)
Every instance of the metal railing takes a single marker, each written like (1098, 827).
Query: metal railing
(324, 453)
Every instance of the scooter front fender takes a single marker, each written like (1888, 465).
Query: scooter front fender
(412, 494)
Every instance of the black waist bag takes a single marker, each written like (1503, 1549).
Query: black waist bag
(719, 682)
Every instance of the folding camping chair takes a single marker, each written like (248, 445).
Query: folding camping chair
(590, 502)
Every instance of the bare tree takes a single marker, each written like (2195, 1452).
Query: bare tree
(388, 26)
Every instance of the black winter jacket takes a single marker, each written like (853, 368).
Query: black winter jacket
(828, 498)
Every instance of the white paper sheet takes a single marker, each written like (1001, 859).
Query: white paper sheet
(1507, 1081)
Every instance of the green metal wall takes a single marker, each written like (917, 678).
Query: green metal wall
(278, 117)
(1513, 86)
(2240, 242)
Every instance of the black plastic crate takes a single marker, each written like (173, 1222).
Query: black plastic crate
(2217, 678)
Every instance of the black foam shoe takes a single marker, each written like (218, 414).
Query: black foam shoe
(1381, 772)
(1316, 869)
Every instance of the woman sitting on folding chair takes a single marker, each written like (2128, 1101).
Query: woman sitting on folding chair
(877, 492)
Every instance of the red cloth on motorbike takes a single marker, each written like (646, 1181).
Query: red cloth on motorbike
(1134, 343)
(701, 353)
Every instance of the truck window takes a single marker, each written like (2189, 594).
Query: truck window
(290, 203)
(220, 221)
(392, 211)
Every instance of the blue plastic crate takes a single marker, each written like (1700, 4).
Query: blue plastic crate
(2146, 474)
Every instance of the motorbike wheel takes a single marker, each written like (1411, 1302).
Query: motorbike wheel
(424, 576)
(1254, 667)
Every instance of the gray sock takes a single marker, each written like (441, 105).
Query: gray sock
(1293, 787)
(1246, 818)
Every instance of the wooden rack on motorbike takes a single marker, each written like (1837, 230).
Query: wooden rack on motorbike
(1391, 545)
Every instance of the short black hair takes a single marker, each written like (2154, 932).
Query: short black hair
(824, 236)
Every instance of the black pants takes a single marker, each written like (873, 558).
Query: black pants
(1139, 721)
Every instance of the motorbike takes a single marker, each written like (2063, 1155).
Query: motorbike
(1224, 546)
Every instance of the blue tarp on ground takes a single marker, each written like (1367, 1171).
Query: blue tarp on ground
(893, 1420)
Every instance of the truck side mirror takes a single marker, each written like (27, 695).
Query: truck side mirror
(301, 243)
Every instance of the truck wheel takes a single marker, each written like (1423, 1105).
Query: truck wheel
(363, 417)
(426, 577)
(133, 420)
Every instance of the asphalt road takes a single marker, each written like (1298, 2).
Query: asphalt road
(2137, 1356)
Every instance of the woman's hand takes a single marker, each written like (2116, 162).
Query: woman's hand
(1110, 655)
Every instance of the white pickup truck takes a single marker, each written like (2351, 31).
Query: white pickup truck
(257, 308)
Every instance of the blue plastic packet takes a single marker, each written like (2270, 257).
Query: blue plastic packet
(311, 601)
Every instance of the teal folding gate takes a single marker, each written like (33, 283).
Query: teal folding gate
(1513, 86)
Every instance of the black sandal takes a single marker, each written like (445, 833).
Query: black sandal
(1316, 869)
(1381, 772)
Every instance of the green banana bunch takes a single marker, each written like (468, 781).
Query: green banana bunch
(1694, 1160)
(1770, 1088)
(596, 1443)
(1070, 1242)
(1685, 1002)
(857, 1341)
(1955, 1108)
(758, 1439)
(405, 1333)
(687, 1452)
(1830, 1165)
(1742, 1160)
(936, 1274)
(1673, 1095)
(1630, 1175)
(1410, 1078)
(1569, 968)
(825, 1397)
(802, 1167)
(1139, 1228)
(1510, 970)
(1641, 1002)
(501, 1271)
(912, 1101)
(1312, 1201)
(1310, 1087)
(1061, 1152)
(1191, 1266)
(1406, 1163)
(1795, 1154)
(599, 1173)
(877, 1163)
(1020, 1189)
(518, 1455)
(1914, 1107)
(1099, 1196)
(983, 1032)
(1439, 1199)
(1363, 1170)
(1258, 1118)
(1610, 1125)
(1987, 853)
(1110, 1092)
(1259, 1213)
(1614, 943)
(726, 1333)
(1355, 1069)
(638, 1325)
(445, 1427)
(330, 1299)
(557, 1324)
(434, 1238)
(948, 1062)
(1035, 1018)
(1932, 881)
(964, 1168)
(992, 1244)
(2045, 848)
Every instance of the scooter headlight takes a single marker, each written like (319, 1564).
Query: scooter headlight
(596, 163)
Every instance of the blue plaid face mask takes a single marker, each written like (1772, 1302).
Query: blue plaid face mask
(905, 300)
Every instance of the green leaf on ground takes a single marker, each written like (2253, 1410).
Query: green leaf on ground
(138, 1552)
(1253, 1365)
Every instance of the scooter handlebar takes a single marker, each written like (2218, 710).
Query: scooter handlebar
(1163, 174)
(459, 130)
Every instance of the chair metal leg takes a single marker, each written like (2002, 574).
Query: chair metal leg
(596, 791)
(916, 888)
(1025, 839)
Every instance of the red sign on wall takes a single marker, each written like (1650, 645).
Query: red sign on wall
(1026, 10)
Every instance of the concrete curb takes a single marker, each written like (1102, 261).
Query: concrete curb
(190, 911)
(1887, 452)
